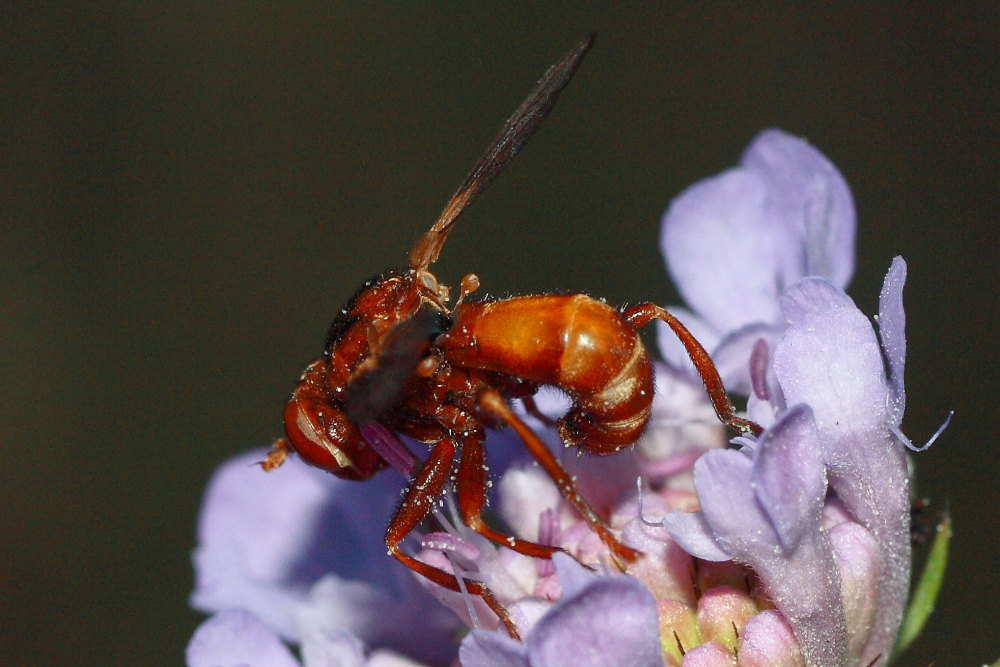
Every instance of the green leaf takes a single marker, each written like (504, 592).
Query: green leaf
(927, 589)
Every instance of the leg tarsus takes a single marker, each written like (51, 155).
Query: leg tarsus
(275, 457)
(450, 582)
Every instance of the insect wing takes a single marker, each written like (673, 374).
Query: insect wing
(377, 390)
(516, 132)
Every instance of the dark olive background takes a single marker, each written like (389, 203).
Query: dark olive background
(188, 193)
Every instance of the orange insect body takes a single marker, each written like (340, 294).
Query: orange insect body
(398, 357)
(573, 342)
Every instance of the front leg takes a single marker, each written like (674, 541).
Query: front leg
(417, 503)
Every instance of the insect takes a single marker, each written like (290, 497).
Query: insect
(399, 359)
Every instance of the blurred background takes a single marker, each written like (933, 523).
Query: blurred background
(190, 191)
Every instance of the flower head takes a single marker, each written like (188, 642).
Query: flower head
(791, 548)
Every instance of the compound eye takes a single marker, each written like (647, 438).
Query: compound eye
(324, 437)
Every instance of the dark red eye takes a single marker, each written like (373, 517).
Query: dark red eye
(324, 437)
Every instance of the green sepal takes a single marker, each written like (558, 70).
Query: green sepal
(927, 589)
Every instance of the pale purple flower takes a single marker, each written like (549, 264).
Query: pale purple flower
(792, 549)
(735, 242)
(598, 620)
(842, 428)
(237, 638)
(762, 506)
(303, 552)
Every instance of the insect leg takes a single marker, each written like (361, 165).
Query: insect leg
(472, 494)
(532, 409)
(275, 457)
(641, 314)
(417, 503)
(491, 401)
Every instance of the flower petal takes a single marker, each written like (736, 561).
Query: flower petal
(573, 577)
(766, 640)
(265, 539)
(799, 575)
(682, 420)
(492, 649)
(611, 621)
(732, 354)
(892, 330)
(830, 359)
(709, 654)
(789, 478)
(334, 649)
(695, 536)
(407, 620)
(807, 189)
(722, 249)
(237, 637)
(734, 242)
(858, 562)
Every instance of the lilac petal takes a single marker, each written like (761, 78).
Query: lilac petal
(682, 418)
(733, 352)
(611, 621)
(830, 359)
(383, 658)
(254, 531)
(724, 480)
(858, 563)
(734, 242)
(695, 536)
(806, 188)
(526, 491)
(573, 577)
(491, 649)
(407, 620)
(892, 330)
(237, 637)
(334, 649)
(801, 578)
(265, 539)
(812, 296)
(789, 475)
(722, 249)
(665, 568)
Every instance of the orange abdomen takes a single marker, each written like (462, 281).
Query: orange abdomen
(573, 342)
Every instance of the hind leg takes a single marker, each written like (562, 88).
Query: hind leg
(642, 314)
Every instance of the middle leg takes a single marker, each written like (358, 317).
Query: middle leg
(471, 491)
(491, 401)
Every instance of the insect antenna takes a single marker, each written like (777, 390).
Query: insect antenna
(520, 127)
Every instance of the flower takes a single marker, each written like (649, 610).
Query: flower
(840, 427)
(302, 552)
(791, 548)
(735, 242)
